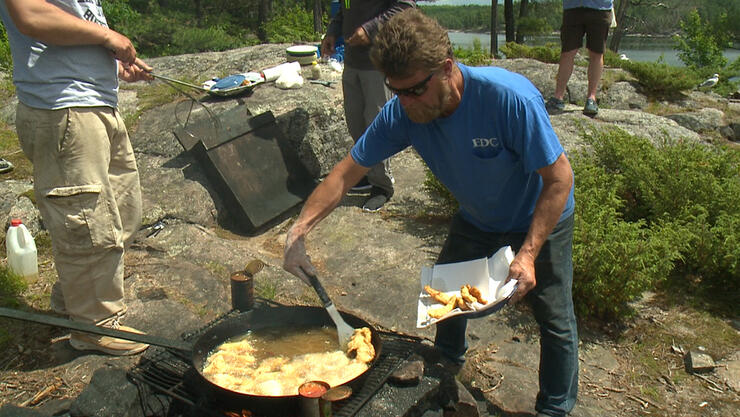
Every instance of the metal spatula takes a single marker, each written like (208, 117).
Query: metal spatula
(344, 330)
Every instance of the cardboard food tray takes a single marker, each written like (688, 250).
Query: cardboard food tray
(487, 274)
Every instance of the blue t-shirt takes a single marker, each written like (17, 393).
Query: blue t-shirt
(591, 4)
(486, 153)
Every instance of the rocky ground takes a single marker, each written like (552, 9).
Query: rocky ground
(177, 279)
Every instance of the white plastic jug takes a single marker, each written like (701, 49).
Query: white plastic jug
(21, 250)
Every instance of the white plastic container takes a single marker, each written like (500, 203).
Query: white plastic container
(273, 73)
(21, 250)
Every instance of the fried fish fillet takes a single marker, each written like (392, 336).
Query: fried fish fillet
(361, 343)
(438, 296)
(465, 294)
(475, 292)
(462, 304)
(441, 311)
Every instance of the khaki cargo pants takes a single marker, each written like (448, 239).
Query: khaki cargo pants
(87, 189)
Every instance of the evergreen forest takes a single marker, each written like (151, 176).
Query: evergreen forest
(169, 27)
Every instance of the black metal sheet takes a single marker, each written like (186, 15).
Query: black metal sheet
(252, 166)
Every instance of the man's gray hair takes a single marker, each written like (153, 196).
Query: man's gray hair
(410, 41)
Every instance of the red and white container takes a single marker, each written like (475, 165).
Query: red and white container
(21, 250)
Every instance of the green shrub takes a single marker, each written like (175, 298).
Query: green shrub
(195, 39)
(612, 60)
(6, 61)
(689, 189)
(152, 34)
(291, 24)
(119, 15)
(725, 87)
(659, 79)
(531, 26)
(5, 339)
(700, 45)
(473, 57)
(614, 260)
(11, 286)
(549, 53)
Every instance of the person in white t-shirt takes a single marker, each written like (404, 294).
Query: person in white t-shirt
(66, 66)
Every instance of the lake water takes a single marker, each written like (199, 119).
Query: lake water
(637, 48)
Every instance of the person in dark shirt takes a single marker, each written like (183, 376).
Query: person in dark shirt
(362, 85)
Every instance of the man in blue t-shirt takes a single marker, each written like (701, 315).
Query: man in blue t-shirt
(485, 133)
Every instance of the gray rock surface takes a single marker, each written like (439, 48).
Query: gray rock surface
(701, 121)
(735, 135)
(10, 410)
(623, 95)
(109, 394)
(729, 371)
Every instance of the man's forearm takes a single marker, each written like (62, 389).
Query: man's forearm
(549, 207)
(50, 24)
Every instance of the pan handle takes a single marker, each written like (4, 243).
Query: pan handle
(91, 328)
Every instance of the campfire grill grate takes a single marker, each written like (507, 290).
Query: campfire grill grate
(165, 371)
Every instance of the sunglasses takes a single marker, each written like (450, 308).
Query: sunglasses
(415, 90)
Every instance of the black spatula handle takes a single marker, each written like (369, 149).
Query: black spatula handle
(323, 296)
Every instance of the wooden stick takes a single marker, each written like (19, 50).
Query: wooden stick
(710, 381)
(40, 395)
(643, 401)
(605, 387)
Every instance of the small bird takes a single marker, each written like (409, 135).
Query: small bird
(710, 82)
(623, 57)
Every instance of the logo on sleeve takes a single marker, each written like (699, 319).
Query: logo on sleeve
(486, 147)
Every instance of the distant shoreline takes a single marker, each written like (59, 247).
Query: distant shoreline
(734, 47)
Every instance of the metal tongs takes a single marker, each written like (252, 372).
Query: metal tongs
(344, 330)
(183, 83)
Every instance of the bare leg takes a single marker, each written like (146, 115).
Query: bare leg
(595, 68)
(565, 69)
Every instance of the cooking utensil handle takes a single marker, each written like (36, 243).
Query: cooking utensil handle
(323, 296)
(172, 80)
(91, 328)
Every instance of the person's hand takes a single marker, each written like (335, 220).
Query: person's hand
(120, 46)
(522, 270)
(327, 45)
(359, 38)
(295, 260)
(137, 71)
